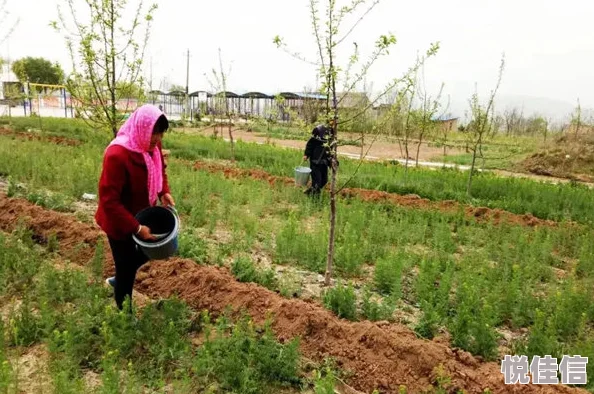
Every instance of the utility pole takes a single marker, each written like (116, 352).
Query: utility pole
(151, 76)
(188, 85)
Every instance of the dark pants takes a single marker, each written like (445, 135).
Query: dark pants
(319, 177)
(127, 260)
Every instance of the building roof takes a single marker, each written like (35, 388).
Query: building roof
(444, 118)
(257, 95)
(197, 93)
(226, 94)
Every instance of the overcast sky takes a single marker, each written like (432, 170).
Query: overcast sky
(548, 44)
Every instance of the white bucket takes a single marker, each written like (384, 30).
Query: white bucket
(302, 175)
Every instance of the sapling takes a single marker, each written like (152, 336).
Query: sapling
(481, 124)
(429, 108)
(222, 101)
(328, 42)
(107, 56)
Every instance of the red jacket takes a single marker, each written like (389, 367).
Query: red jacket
(123, 191)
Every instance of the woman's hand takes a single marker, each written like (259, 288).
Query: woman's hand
(144, 233)
(304, 158)
(167, 200)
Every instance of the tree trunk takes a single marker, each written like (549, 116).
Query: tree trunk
(332, 237)
(471, 172)
(400, 146)
(334, 152)
(232, 142)
(419, 149)
(406, 155)
(362, 144)
(114, 122)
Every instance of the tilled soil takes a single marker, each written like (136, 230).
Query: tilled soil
(38, 137)
(414, 201)
(378, 355)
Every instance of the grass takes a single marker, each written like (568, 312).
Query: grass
(474, 279)
(543, 200)
(76, 321)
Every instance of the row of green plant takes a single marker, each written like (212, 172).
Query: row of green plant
(544, 200)
(72, 316)
(452, 267)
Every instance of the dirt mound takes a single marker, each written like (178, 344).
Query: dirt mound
(382, 356)
(77, 240)
(37, 137)
(570, 158)
(496, 216)
(378, 355)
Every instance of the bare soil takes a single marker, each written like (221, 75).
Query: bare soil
(378, 355)
(570, 157)
(414, 201)
(382, 148)
(39, 137)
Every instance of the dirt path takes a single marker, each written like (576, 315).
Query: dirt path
(379, 355)
(384, 150)
(414, 201)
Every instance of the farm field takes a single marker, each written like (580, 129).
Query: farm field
(433, 287)
(501, 152)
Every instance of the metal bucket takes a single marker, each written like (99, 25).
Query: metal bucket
(160, 220)
(302, 175)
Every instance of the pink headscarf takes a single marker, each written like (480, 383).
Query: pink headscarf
(135, 135)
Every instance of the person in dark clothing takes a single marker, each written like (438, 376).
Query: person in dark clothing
(318, 154)
(133, 178)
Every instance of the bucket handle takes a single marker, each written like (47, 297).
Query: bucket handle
(172, 209)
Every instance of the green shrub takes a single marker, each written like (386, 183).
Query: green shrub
(243, 361)
(388, 275)
(245, 271)
(377, 311)
(342, 301)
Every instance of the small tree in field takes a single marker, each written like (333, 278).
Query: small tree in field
(576, 119)
(222, 101)
(430, 106)
(480, 125)
(328, 40)
(106, 52)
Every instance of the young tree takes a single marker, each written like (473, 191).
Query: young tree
(576, 119)
(409, 93)
(38, 70)
(429, 108)
(328, 41)
(222, 101)
(105, 50)
(481, 123)
(444, 132)
(513, 119)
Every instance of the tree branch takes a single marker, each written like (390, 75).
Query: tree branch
(350, 31)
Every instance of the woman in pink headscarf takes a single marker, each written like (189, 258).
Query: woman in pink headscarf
(133, 178)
